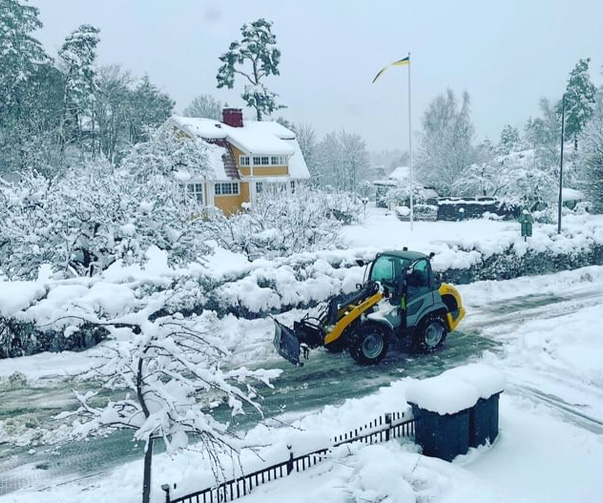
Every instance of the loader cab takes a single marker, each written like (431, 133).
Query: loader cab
(393, 268)
(390, 271)
(406, 275)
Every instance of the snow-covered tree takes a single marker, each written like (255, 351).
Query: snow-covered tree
(77, 56)
(400, 195)
(509, 140)
(592, 158)
(280, 223)
(341, 160)
(306, 137)
(170, 370)
(150, 108)
(580, 98)
(28, 101)
(446, 148)
(113, 109)
(94, 214)
(205, 106)
(20, 53)
(255, 57)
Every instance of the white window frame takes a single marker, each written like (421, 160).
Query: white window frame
(264, 160)
(227, 189)
(194, 190)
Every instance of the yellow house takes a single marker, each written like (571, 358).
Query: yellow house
(252, 156)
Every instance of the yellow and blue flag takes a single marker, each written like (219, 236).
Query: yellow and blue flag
(402, 62)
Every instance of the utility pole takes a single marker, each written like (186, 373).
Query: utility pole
(561, 165)
(412, 175)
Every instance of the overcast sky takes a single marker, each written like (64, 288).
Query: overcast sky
(506, 53)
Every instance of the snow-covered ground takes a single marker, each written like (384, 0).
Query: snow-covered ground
(550, 448)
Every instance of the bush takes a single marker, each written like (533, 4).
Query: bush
(280, 223)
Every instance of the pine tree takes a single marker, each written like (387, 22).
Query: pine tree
(580, 99)
(255, 58)
(24, 68)
(592, 158)
(77, 55)
(150, 109)
(20, 53)
(509, 140)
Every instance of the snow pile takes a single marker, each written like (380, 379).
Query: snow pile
(456, 389)
(442, 395)
(19, 295)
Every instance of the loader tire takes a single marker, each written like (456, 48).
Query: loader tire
(369, 344)
(430, 334)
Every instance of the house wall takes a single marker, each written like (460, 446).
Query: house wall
(258, 170)
(232, 204)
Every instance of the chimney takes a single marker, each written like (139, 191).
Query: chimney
(233, 117)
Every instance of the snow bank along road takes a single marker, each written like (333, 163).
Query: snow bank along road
(534, 329)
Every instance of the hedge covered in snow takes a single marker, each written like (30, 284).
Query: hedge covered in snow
(49, 314)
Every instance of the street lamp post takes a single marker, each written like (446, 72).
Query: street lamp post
(561, 165)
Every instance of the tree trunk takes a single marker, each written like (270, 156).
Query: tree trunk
(146, 480)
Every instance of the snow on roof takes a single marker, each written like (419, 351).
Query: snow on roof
(254, 141)
(254, 138)
(201, 128)
(568, 194)
(216, 160)
(270, 127)
(401, 173)
(297, 164)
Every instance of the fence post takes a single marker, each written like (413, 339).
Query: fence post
(290, 462)
(166, 488)
(388, 421)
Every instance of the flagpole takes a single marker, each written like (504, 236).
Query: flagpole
(410, 151)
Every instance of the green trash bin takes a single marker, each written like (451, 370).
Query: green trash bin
(489, 383)
(483, 421)
(443, 436)
(441, 408)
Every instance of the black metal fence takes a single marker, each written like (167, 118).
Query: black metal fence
(382, 429)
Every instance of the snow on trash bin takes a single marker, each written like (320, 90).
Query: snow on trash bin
(456, 410)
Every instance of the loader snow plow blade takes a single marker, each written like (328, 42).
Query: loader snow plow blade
(286, 343)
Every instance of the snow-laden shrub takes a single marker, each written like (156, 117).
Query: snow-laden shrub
(400, 195)
(92, 216)
(280, 223)
(346, 207)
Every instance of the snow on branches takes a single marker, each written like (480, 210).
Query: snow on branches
(280, 223)
(165, 376)
(94, 215)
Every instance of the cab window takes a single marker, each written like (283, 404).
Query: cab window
(384, 270)
(419, 280)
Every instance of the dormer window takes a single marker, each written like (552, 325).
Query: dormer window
(263, 160)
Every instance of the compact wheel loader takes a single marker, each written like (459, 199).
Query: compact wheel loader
(400, 297)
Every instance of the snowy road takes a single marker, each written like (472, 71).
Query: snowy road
(516, 325)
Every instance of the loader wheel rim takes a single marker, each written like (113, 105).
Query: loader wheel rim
(433, 334)
(372, 345)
